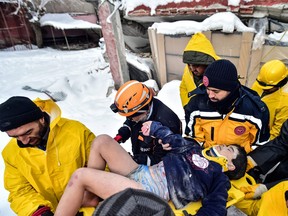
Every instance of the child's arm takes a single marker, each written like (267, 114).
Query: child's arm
(156, 129)
(215, 201)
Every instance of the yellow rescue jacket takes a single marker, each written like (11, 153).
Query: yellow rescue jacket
(273, 201)
(199, 50)
(38, 178)
(277, 103)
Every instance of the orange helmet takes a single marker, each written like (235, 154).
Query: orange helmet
(271, 74)
(131, 97)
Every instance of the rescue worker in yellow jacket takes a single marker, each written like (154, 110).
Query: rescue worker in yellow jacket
(44, 151)
(268, 168)
(261, 200)
(198, 54)
(274, 201)
(271, 85)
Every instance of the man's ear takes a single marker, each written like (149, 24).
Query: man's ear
(231, 166)
(42, 120)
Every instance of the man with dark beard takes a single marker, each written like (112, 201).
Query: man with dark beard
(224, 111)
(44, 151)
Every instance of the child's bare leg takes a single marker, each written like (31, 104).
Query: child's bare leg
(104, 150)
(90, 199)
(102, 183)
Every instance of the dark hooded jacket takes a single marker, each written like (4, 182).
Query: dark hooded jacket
(269, 155)
(190, 176)
(244, 121)
(145, 149)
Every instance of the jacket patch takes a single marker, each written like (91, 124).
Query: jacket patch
(205, 81)
(239, 130)
(199, 161)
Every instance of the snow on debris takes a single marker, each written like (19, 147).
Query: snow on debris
(65, 21)
(226, 22)
(283, 36)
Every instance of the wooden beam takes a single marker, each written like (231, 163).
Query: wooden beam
(244, 56)
(152, 33)
(162, 59)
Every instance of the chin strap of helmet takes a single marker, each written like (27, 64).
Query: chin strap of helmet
(213, 155)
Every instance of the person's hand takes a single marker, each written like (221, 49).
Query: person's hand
(43, 211)
(253, 191)
(165, 146)
(146, 128)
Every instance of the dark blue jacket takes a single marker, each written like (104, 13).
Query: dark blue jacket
(145, 149)
(241, 119)
(269, 155)
(190, 176)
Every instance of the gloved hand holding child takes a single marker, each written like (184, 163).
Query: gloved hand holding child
(254, 191)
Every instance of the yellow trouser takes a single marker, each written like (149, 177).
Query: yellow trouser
(234, 196)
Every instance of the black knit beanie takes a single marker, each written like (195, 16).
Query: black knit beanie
(17, 111)
(134, 202)
(221, 74)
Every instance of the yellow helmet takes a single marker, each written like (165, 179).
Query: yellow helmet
(131, 97)
(271, 74)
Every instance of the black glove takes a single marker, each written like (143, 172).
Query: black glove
(79, 214)
(140, 158)
(125, 133)
(255, 173)
(43, 211)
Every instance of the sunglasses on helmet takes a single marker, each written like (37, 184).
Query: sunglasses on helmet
(264, 84)
(280, 84)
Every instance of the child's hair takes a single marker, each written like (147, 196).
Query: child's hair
(240, 163)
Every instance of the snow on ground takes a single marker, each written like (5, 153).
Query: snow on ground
(83, 76)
